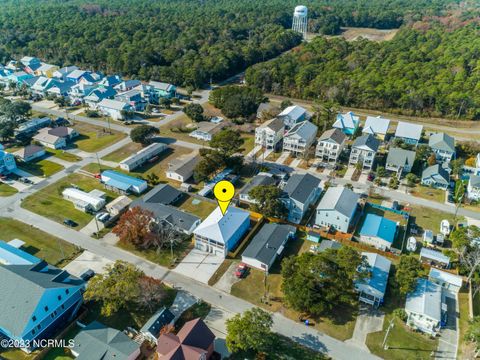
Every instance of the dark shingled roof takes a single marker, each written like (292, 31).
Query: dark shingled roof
(162, 194)
(161, 318)
(258, 180)
(368, 141)
(336, 135)
(300, 186)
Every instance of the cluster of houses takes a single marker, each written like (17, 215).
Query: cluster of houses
(109, 94)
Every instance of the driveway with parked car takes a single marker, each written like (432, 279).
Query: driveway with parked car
(230, 277)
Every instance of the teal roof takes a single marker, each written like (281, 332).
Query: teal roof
(13, 256)
(122, 178)
(379, 226)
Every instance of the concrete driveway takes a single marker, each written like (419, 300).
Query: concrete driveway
(199, 265)
(228, 279)
(87, 260)
(369, 320)
(447, 344)
(349, 172)
(216, 320)
(91, 227)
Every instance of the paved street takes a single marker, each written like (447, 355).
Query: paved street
(447, 343)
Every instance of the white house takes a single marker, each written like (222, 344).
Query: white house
(376, 126)
(443, 146)
(473, 188)
(372, 288)
(113, 108)
(299, 138)
(182, 169)
(409, 133)
(270, 133)
(364, 149)
(424, 307)
(267, 245)
(218, 234)
(50, 140)
(337, 208)
(450, 282)
(330, 145)
(302, 191)
(205, 130)
(92, 201)
(142, 156)
(293, 115)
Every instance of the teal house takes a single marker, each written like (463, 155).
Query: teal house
(348, 123)
(163, 90)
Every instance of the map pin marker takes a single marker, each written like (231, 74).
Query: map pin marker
(224, 192)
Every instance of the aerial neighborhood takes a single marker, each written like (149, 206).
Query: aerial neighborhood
(350, 233)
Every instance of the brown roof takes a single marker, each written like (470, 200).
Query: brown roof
(196, 333)
(336, 135)
(61, 131)
(28, 150)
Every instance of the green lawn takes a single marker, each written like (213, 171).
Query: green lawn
(123, 153)
(463, 323)
(94, 138)
(63, 155)
(7, 190)
(249, 143)
(429, 193)
(200, 208)
(428, 218)
(44, 168)
(49, 202)
(37, 242)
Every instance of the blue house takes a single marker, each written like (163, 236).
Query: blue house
(378, 231)
(372, 288)
(7, 162)
(123, 183)
(12, 255)
(163, 90)
(37, 300)
(19, 77)
(347, 122)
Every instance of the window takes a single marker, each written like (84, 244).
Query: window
(34, 318)
(59, 297)
(46, 308)
(39, 327)
(67, 291)
(33, 332)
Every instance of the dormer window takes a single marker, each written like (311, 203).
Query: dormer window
(34, 318)
(67, 291)
(46, 308)
(59, 297)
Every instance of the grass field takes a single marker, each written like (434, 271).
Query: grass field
(63, 155)
(41, 168)
(179, 129)
(429, 193)
(463, 347)
(429, 219)
(7, 190)
(123, 153)
(37, 242)
(197, 207)
(94, 138)
(49, 202)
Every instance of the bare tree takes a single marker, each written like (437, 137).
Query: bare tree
(164, 235)
(470, 258)
(152, 291)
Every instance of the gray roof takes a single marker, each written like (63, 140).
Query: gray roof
(442, 141)
(376, 125)
(437, 172)
(275, 124)
(259, 179)
(328, 244)
(266, 243)
(474, 180)
(22, 288)
(162, 194)
(28, 150)
(426, 299)
(408, 130)
(300, 186)
(334, 135)
(340, 199)
(303, 129)
(367, 141)
(161, 318)
(99, 342)
(400, 157)
(184, 167)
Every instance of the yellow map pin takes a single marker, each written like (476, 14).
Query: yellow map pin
(224, 192)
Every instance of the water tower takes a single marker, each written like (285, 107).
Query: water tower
(299, 23)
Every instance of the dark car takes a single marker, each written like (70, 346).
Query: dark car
(26, 180)
(70, 222)
(87, 275)
(371, 177)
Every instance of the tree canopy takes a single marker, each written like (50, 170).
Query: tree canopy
(268, 201)
(143, 134)
(237, 101)
(408, 271)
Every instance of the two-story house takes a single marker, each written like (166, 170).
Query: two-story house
(348, 123)
(302, 191)
(270, 134)
(364, 149)
(400, 161)
(443, 146)
(7, 162)
(299, 138)
(473, 188)
(163, 90)
(293, 115)
(376, 126)
(436, 176)
(330, 145)
(409, 133)
(337, 209)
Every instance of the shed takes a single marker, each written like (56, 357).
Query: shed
(448, 281)
(434, 257)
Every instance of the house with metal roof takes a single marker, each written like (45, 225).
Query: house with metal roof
(425, 307)
(363, 152)
(301, 192)
(270, 134)
(372, 287)
(123, 183)
(261, 179)
(300, 138)
(110, 81)
(347, 122)
(436, 176)
(93, 94)
(292, 115)
(29, 153)
(11, 254)
(163, 90)
(151, 329)
(443, 145)
(114, 108)
(409, 133)
(267, 245)
(41, 299)
(378, 232)
(435, 258)
(142, 156)
(63, 72)
(400, 161)
(97, 341)
(330, 145)
(7, 162)
(205, 130)
(473, 188)
(163, 194)
(182, 169)
(218, 234)
(91, 201)
(376, 126)
(133, 97)
(337, 208)
(451, 283)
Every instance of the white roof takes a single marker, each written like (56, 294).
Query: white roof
(92, 198)
(408, 130)
(346, 121)
(445, 277)
(220, 227)
(16, 243)
(113, 104)
(295, 112)
(144, 153)
(426, 299)
(376, 125)
(434, 255)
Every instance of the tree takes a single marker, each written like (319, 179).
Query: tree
(152, 292)
(459, 238)
(412, 179)
(7, 129)
(250, 331)
(470, 260)
(143, 134)
(61, 101)
(115, 288)
(153, 179)
(134, 227)
(165, 235)
(267, 201)
(194, 111)
(422, 153)
(15, 111)
(473, 334)
(237, 101)
(408, 270)
(456, 165)
(210, 163)
(432, 159)
(127, 114)
(165, 102)
(324, 114)
(285, 103)
(381, 172)
(227, 142)
(393, 183)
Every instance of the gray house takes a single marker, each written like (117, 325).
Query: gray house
(293, 115)
(436, 176)
(400, 161)
(302, 191)
(364, 150)
(337, 208)
(330, 145)
(443, 146)
(409, 133)
(299, 138)
(262, 179)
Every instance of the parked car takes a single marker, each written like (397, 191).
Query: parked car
(371, 177)
(70, 223)
(104, 217)
(25, 180)
(87, 275)
(241, 270)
